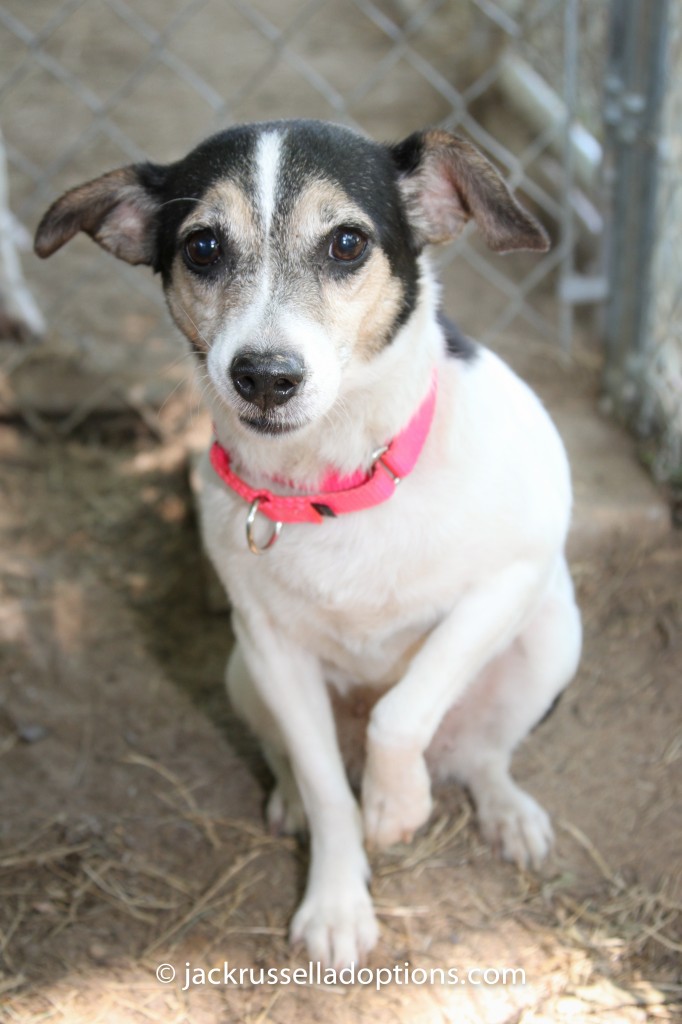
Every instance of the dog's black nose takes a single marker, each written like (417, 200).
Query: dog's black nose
(266, 378)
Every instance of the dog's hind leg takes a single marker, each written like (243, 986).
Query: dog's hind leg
(284, 812)
(476, 739)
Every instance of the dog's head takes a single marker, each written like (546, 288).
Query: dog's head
(289, 251)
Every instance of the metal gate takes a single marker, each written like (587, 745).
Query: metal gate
(643, 325)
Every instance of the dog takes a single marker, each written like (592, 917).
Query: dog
(386, 502)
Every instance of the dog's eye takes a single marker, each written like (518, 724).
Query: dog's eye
(347, 245)
(202, 248)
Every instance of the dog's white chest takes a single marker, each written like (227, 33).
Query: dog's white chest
(355, 592)
(363, 616)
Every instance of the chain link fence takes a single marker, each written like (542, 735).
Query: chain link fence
(87, 85)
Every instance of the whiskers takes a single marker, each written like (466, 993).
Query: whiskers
(187, 199)
(201, 377)
(200, 335)
(339, 414)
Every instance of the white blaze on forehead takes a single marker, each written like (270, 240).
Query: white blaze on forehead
(267, 163)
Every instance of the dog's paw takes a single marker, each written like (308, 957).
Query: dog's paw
(285, 813)
(336, 923)
(518, 827)
(396, 796)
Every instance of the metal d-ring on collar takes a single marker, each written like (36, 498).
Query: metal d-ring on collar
(250, 519)
(378, 460)
(257, 549)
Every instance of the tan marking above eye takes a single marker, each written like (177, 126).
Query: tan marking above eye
(322, 207)
(226, 205)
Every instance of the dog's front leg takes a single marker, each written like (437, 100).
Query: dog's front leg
(335, 919)
(396, 789)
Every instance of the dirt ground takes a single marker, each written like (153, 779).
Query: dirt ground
(132, 832)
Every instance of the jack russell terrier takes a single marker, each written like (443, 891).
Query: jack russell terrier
(407, 496)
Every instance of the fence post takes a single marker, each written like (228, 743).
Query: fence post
(634, 89)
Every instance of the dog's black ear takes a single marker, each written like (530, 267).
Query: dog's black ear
(446, 182)
(118, 210)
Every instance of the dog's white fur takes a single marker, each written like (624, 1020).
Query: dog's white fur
(451, 601)
(455, 593)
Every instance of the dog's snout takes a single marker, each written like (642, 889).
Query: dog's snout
(266, 379)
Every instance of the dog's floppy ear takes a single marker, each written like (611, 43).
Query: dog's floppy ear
(446, 182)
(117, 210)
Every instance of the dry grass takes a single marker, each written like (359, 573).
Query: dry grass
(619, 923)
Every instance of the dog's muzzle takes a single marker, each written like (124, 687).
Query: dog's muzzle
(267, 379)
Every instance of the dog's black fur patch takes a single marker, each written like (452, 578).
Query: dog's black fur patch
(457, 344)
(550, 710)
(407, 154)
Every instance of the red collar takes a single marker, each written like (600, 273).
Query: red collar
(339, 495)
